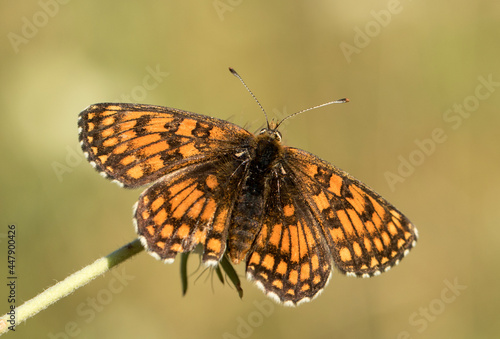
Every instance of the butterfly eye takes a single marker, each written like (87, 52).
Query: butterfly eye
(277, 135)
(262, 131)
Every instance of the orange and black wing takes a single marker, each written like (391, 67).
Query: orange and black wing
(290, 259)
(188, 207)
(135, 144)
(365, 233)
(192, 160)
(317, 214)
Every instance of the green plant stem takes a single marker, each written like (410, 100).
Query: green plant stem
(70, 284)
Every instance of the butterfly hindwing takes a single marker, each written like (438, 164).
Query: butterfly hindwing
(290, 260)
(365, 233)
(188, 207)
(137, 144)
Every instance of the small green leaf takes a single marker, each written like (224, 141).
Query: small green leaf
(231, 273)
(219, 274)
(184, 278)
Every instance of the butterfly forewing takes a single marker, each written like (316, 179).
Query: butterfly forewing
(137, 144)
(365, 233)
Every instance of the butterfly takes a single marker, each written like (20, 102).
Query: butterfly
(289, 215)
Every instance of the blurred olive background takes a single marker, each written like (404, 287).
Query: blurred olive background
(407, 67)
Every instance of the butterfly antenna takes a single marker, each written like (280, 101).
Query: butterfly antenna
(339, 101)
(248, 89)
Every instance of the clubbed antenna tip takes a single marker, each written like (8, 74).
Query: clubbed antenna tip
(339, 101)
(248, 89)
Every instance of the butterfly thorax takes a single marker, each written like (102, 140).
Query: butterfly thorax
(249, 206)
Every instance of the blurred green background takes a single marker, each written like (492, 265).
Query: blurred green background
(413, 70)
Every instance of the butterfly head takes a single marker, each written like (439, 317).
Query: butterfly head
(271, 131)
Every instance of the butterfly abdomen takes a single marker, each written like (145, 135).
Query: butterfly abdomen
(249, 206)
